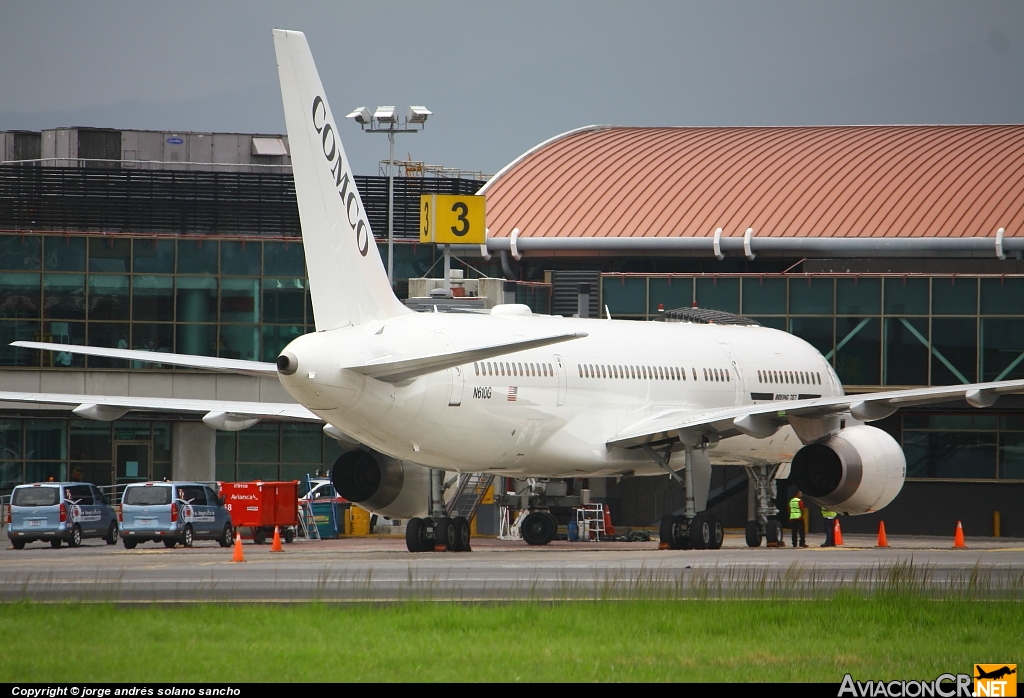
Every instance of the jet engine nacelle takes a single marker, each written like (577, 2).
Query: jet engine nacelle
(858, 470)
(381, 484)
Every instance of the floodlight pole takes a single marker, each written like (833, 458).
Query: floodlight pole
(391, 209)
(399, 125)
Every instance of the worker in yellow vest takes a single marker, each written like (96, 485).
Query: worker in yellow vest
(830, 527)
(796, 518)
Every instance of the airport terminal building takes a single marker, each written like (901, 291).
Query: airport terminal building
(893, 250)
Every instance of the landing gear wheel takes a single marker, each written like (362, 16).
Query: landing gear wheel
(700, 532)
(259, 536)
(684, 539)
(717, 533)
(55, 543)
(667, 532)
(186, 536)
(289, 535)
(76, 536)
(227, 537)
(18, 544)
(444, 533)
(462, 535)
(753, 534)
(169, 543)
(112, 534)
(773, 532)
(538, 528)
(129, 543)
(416, 540)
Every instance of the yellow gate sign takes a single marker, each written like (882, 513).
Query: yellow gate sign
(452, 218)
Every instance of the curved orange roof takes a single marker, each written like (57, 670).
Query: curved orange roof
(830, 181)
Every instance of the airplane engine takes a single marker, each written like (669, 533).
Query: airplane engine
(381, 484)
(857, 471)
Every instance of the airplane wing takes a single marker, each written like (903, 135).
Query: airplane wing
(761, 420)
(406, 369)
(229, 415)
(212, 363)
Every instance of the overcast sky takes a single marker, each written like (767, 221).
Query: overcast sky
(501, 77)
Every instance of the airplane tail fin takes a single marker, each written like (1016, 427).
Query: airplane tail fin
(347, 280)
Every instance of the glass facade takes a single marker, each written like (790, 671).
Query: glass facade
(106, 453)
(977, 445)
(240, 299)
(34, 450)
(161, 295)
(275, 452)
(875, 330)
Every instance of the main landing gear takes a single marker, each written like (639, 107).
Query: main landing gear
(761, 509)
(691, 530)
(427, 535)
(702, 532)
(437, 532)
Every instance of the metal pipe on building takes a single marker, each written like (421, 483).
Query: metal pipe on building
(827, 245)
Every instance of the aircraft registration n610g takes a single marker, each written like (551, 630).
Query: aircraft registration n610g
(518, 394)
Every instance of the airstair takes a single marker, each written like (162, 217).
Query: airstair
(308, 521)
(469, 490)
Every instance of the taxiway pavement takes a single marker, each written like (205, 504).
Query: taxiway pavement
(380, 569)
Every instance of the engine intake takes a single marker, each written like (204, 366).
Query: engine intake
(382, 484)
(856, 471)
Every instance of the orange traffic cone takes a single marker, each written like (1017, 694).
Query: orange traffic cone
(958, 539)
(837, 537)
(239, 556)
(609, 530)
(275, 547)
(883, 542)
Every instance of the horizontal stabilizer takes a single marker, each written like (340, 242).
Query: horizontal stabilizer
(407, 369)
(210, 363)
(233, 410)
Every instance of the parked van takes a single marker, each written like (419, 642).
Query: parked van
(174, 512)
(60, 512)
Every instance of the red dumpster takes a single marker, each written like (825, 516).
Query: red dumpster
(261, 505)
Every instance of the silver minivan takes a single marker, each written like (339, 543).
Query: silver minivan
(60, 512)
(174, 512)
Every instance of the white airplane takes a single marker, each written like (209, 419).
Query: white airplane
(531, 396)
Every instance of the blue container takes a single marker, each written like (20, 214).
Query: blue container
(574, 531)
(326, 516)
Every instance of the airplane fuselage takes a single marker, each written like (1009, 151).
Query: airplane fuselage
(549, 412)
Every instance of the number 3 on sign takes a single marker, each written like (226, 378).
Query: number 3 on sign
(446, 218)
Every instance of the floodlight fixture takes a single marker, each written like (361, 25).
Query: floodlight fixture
(386, 120)
(418, 115)
(386, 115)
(361, 115)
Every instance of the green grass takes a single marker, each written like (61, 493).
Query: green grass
(889, 636)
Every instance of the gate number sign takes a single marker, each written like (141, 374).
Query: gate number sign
(452, 219)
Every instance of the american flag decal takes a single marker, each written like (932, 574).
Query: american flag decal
(512, 392)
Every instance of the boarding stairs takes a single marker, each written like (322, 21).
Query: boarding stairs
(469, 490)
(308, 521)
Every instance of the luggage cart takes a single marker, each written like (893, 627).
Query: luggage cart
(260, 506)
